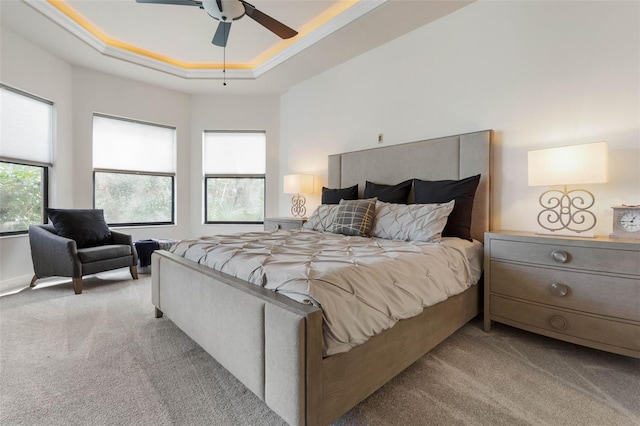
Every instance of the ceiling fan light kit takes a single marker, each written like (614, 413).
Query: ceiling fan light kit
(227, 10)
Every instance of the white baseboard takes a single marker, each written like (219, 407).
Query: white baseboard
(15, 284)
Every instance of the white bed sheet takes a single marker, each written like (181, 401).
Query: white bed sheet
(363, 285)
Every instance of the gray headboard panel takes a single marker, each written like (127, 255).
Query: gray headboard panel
(451, 157)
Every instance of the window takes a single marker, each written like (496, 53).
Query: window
(134, 171)
(26, 132)
(234, 169)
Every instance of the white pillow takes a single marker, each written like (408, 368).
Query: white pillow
(411, 222)
(322, 218)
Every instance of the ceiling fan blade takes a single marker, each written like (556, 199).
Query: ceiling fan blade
(268, 22)
(222, 34)
(178, 2)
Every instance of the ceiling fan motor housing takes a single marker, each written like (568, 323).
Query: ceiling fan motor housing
(232, 10)
(227, 11)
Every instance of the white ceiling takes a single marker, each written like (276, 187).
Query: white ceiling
(184, 33)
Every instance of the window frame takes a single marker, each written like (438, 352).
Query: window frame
(129, 172)
(228, 176)
(208, 176)
(44, 167)
(138, 172)
(44, 191)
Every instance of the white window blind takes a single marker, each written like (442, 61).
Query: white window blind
(26, 127)
(120, 144)
(234, 153)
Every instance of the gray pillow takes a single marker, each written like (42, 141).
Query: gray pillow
(322, 218)
(355, 217)
(86, 227)
(411, 222)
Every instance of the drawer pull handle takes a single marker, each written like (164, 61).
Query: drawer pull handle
(559, 289)
(277, 226)
(560, 256)
(558, 322)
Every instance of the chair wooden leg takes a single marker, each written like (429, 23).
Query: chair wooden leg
(134, 271)
(77, 285)
(33, 281)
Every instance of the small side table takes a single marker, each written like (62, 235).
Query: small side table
(275, 223)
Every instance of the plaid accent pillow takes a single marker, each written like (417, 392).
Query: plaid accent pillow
(355, 217)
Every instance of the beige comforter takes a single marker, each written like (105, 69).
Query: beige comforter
(363, 285)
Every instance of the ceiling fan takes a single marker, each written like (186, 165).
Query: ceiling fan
(227, 11)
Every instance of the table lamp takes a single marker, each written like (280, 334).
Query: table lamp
(298, 184)
(567, 212)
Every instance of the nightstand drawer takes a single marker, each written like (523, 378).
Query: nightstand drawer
(274, 224)
(587, 258)
(599, 294)
(599, 330)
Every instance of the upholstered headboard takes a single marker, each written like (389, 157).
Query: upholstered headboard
(452, 157)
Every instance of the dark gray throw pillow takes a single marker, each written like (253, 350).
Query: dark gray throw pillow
(333, 196)
(354, 217)
(398, 193)
(86, 227)
(443, 191)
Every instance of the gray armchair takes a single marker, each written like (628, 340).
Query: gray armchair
(54, 255)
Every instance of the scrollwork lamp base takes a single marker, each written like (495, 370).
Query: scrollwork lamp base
(297, 206)
(567, 211)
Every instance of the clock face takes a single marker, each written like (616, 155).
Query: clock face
(630, 221)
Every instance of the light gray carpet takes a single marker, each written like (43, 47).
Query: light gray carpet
(101, 358)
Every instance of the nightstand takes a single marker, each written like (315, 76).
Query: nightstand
(581, 290)
(275, 223)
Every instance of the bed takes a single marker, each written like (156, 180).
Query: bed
(274, 345)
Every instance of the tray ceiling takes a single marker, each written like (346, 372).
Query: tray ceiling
(170, 45)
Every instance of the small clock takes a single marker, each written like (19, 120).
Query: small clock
(626, 222)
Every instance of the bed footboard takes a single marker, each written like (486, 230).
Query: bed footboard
(273, 345)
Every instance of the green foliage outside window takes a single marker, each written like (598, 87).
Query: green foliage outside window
(21, 201)
(134, 198)
(235, 199)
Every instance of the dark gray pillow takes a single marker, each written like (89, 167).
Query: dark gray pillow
(86, 227)
(398, 194)
(354, 217)
(333, 196)
(443, 191)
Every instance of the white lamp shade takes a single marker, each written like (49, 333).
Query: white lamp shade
(569, 165)
(298, 184)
